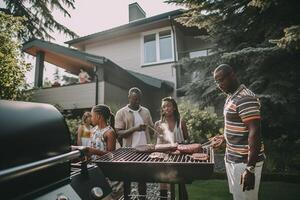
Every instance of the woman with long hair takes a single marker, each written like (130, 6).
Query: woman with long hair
(84, 130)
(173, 130)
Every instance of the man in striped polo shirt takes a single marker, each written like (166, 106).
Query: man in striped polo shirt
(244, 147)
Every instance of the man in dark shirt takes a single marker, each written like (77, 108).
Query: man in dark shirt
(244, 147)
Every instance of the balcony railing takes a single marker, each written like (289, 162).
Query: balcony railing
(69, 96)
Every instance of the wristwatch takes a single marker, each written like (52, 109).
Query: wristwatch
(251, 169)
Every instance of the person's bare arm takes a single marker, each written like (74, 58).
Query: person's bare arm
(254, 142)
(110, 140)
(126, 133)
(79, 134)
(88, 151)
(94, 151)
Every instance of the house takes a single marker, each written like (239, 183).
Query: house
(141, 53)
(148, 46)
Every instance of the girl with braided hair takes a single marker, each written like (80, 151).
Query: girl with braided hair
(103, 137)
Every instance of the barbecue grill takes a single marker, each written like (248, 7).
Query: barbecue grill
(126, 164)
(35, 157)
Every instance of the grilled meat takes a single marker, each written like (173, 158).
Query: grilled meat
(189, 148)
(158, 155)
(166, 147)
(145, 148)
(200, 156)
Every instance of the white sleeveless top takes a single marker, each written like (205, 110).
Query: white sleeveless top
(97, 140)
(175, 136)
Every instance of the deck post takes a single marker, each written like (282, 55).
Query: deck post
(39, 69)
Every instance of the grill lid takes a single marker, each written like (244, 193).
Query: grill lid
(31, 132)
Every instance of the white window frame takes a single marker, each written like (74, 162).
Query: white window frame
(158, 60)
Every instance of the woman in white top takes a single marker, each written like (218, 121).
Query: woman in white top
(173, 130)
(172, 127)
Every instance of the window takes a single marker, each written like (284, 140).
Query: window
(150, 48)
(165, 45)
(158, 47)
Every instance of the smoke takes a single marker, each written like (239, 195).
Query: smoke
(168, 135)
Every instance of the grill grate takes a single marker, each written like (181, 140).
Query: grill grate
(130, 155)
(127, 164)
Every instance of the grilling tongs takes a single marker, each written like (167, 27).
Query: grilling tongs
(209, 143)
(153, 129)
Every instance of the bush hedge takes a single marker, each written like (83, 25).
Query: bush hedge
(201, 124)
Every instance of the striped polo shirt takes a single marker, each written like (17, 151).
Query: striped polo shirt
(240, 107)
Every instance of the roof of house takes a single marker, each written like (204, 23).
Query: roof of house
(129, 26)
(151, 80)
(68, 58)
(73, 60)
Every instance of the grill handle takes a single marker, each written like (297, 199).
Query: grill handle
(22, 170)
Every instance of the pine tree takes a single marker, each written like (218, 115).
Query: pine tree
(234, 25)
(12, 64)
(261, 40)
(39, 22)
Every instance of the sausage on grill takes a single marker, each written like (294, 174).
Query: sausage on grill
(145, 148)
(158, 155)
(200, 156)
(189, 148)
(166, 147)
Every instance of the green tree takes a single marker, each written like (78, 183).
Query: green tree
(234, 25)
(39, 22)
(261, 39)
(12, 65)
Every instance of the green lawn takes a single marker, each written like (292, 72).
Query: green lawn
(218, 190)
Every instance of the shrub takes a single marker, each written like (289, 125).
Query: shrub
(201, 124)
(283, 155)
(73, 126)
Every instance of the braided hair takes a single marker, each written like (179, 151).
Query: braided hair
(176, 112)
(106, 113)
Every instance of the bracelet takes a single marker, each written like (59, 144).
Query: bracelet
(251, 169)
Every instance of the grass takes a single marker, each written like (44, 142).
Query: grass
(218, 190)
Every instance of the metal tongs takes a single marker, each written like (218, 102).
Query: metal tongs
(153, 129)
(209, 143)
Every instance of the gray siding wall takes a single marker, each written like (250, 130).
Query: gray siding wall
(70, 97)
(180, 44)
(126, 52)
(115, 96)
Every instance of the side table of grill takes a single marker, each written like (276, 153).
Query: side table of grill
(128, 165)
